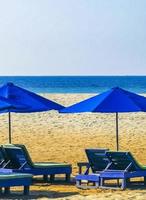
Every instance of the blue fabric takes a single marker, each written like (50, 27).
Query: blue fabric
(4, 104)
(24, 101)
(111, 101)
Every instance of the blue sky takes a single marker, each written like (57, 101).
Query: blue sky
(73, 37)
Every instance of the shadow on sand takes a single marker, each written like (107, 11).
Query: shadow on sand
(39, 193)
(35, 194)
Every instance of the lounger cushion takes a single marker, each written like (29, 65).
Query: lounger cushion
(10, 146)
(139, 164)
(36, 164)
(14, 176)
(49, 165)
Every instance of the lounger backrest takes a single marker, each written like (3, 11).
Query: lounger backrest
(2, 156)
(26, 153)
(97, 159)
(8, 162)
(16, 156)
(4, 159)
(121, 161)
(136, 164)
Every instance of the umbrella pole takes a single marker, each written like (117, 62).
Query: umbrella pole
(9, 115)
(117, 132)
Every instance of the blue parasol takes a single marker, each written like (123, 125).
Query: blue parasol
(24, 101)
(114, 100)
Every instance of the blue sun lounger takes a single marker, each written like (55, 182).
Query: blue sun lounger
(22, 163)
(97, 162)
(122, 166)
(9, 179)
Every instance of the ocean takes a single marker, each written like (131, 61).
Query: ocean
(77, 84)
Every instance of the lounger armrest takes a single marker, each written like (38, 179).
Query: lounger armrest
(128, 167)
(2, 162)
(23, 165)
(83, 164)
(108, 166)
(5, 165)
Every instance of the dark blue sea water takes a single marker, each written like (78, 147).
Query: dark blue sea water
(77, 84)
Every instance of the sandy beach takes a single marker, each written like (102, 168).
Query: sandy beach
(50, 136)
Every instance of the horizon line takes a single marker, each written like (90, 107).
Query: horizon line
(71, 75)
(36, 75)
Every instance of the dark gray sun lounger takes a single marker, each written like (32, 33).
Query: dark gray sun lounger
(122, 166)
(22, 163)
(97, 162)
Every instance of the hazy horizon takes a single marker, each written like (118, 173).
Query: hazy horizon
(76, 37)
(41, 75)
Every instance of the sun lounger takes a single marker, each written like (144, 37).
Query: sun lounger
(122, 166)
(22, 163)
(97, 162)
(9, 179)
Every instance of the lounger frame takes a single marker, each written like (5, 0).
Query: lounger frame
(23, 164)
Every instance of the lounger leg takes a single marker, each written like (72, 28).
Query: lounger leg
(7, 190)
(101, 182)
(67, 177)
(26, 190)
(96, 184)
(80, 169)
(128, 181)
(45, 178)
(52, 177)
(118, 182)
(144, 180)
(78, 184)
(123, 184)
